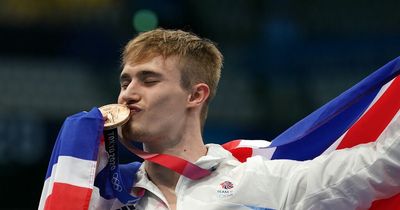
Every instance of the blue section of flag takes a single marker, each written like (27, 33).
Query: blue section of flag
(128, 174)
(79, 137)
(104, 184)
(311, 136)
(317, 141)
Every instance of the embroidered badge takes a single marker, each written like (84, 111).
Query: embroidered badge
(225, 189)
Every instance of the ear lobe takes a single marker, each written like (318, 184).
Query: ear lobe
(200, 93)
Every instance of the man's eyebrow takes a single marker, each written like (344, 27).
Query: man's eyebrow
(147, 73)
(124, 77)
(141, 75)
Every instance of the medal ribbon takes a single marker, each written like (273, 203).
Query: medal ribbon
(118, 186)
(174, 163)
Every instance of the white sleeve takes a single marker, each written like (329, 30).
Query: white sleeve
(349, 178)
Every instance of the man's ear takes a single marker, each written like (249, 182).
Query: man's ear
(199, 94)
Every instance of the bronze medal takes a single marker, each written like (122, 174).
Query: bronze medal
(115, 115)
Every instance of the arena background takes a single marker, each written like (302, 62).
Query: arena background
(283, 59)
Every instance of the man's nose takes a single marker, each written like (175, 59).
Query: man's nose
(131, 94)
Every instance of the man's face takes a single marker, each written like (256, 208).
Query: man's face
(158, 103)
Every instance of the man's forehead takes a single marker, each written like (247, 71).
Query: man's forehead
(150, 57)
(156, 64)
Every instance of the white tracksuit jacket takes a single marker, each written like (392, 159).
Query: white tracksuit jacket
(343, 179)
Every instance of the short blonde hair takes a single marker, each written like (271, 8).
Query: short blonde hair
(200, 58)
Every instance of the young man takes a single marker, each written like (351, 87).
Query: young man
(167, 81)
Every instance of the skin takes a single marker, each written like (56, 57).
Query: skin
(164, 116)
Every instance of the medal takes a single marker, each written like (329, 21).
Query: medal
(115, 115)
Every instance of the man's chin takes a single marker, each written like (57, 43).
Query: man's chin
(129, 135)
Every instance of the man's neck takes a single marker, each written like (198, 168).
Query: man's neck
(188, 145)
(166, 179)
(187, 150)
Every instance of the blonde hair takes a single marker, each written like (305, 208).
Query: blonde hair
(200, 58)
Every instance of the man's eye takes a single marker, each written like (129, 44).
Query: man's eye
(124, 85)
(150, 81)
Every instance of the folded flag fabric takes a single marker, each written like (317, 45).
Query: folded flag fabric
(78, 159)
(359, 115)
(75, 150)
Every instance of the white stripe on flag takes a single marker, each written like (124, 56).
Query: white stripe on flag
(254, 143)
(47, 188)
(265, 152)
(75, 171)
(386, 132)
(102, 158)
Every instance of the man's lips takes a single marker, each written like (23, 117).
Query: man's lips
(134, 109)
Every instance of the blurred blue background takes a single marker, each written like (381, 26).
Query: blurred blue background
(283, 59)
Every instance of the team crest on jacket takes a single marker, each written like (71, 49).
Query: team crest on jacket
(225, 189)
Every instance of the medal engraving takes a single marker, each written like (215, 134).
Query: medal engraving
(115, 115)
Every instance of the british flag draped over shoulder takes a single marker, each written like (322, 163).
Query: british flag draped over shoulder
(359, 115)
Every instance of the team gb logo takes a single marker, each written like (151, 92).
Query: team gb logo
(225, 189)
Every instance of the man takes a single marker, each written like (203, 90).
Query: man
(168, 88)
(167, 81)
